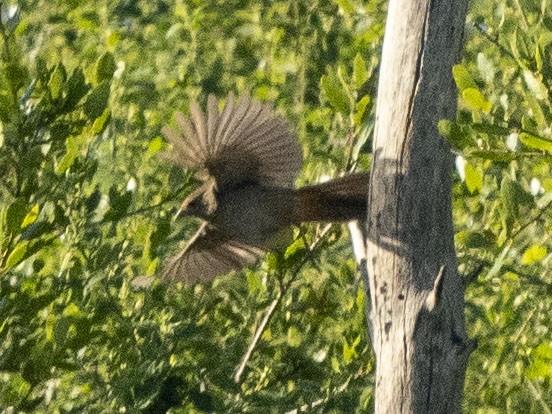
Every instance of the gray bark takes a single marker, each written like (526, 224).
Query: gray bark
(416, 312)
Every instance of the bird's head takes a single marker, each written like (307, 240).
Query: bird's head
(201, 203)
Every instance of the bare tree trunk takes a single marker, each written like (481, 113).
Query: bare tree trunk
(417, 299)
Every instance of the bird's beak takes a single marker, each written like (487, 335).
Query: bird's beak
(179, 213)
(201, 203)
(184, 207)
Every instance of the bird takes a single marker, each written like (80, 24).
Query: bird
(247, 158)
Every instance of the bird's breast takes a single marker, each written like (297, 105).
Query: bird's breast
(254, 214)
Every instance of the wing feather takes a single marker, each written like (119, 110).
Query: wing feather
(245, 142)
(209, 254)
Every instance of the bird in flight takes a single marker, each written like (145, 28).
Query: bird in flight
(247, 158)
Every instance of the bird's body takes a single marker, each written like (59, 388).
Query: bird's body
(248, 158)
(263, 212)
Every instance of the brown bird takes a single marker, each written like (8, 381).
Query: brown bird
(248, 158)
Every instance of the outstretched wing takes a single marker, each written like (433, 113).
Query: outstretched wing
(246, 142)
(207, 255)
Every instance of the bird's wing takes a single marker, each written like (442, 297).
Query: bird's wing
(247, 142)
(207, 255)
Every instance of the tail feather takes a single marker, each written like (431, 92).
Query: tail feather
(341, 199)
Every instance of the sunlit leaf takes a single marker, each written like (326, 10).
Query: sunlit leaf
(539, 369)
(533, 254)
(31, 216)
(476, 100)
(24, 250)
(536, 142)
(360, 73)
(334, 92)
(462, 78)
(473, 179)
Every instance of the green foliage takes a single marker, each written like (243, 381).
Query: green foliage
(503, 204)
(86, 207)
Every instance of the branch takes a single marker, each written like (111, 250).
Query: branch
(482, 28)
(274, 303)
(531, 221)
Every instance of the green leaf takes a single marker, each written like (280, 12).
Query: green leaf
(16, 74)
(457, 136)
(272, 261)
(118, 203)
(155, 145)
(72, 310)
(72, 146)
(545, 39)
(474, 240)
(15, 215)
(538, 58)
(474, 98)
(362, 138)
(254, 282)
(30, 217)
(298, 246)
(160, 233)
(57, 78)
(334, 93)
(518, 46)
(347, 6)
(294, 337)
(513, 196)
(5, 112)
(535, 142)
(349, 351)
(533, 254)
(23, 250)
(474, 179)
(491, 129)
(360, 73)
(543, 351)
(360, 109)
(462, 78)
(13, 387)
(539, 369)
(76, 89)
(105, 67)
(101, 122)
(96, 101)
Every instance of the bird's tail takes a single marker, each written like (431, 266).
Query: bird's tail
(341, 199)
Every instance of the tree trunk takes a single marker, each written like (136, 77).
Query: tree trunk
(416, 296)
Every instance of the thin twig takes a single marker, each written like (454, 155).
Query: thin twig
(522, 14)
(270, 310)
(538, 396)
(257, 337)
(483, 30)
(531, 221)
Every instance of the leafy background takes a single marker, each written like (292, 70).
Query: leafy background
(86, 206)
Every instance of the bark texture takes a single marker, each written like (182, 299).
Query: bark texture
(416, 312)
